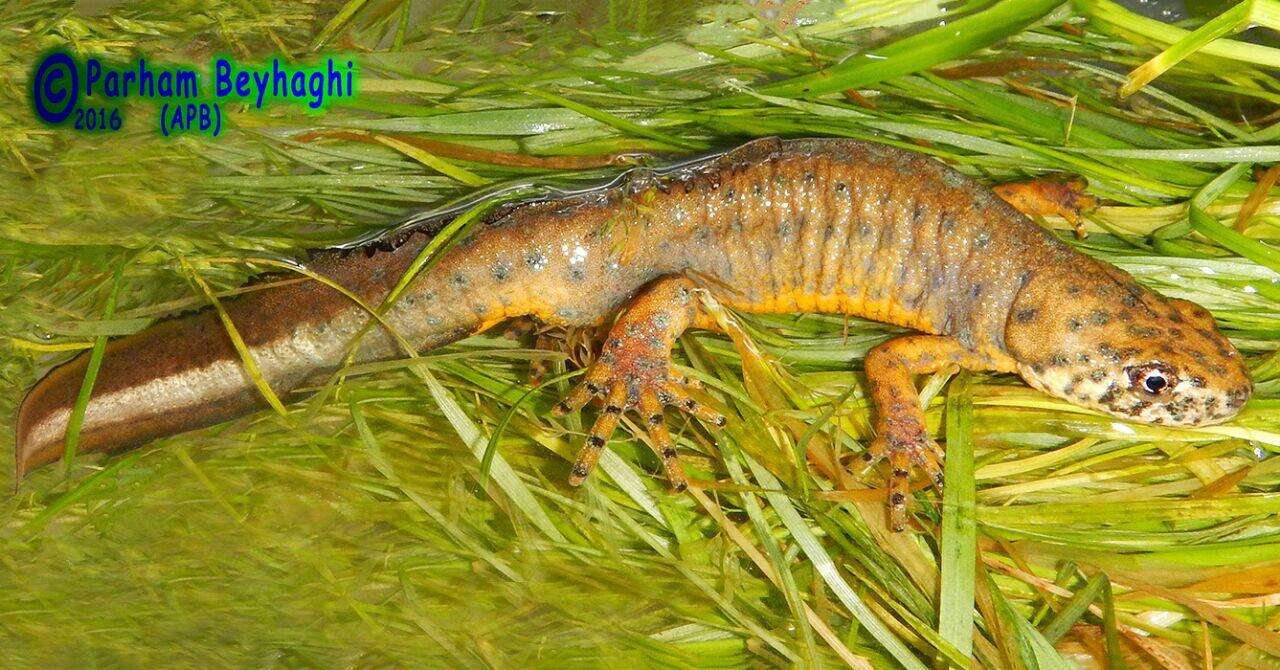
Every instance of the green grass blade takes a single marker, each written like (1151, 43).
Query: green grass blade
(959, 528)
(1074, 608)
(1208, 226)
(503, 474)
(923, 50)
(1225, 23)
(826, 567)
(1036, 652)
(72, 440)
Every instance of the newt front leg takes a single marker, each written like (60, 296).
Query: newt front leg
(1047, 196)
(900, 427)
(634, 372)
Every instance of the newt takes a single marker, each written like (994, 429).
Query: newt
(774, 226)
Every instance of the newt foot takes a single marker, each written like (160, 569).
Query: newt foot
(912, 449)
(637, 384)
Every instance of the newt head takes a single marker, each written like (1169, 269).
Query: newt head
(1109, 344)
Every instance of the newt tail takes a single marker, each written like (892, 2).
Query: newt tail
(820, 225)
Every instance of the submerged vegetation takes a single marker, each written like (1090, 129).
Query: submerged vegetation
(415, 512)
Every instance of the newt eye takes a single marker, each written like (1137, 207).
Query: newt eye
(1152, 378)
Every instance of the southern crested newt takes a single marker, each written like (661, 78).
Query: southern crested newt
(811, 225)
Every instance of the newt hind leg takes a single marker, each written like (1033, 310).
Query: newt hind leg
(633, 373)
(901, 436)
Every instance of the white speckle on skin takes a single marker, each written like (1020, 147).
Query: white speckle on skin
(577, 253)
(1123, 428)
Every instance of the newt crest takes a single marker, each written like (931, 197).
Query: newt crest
(1101, 340)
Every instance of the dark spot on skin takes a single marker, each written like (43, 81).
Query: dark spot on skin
(1098, 375)
(1099, 317)
(982, 240)
(593, 389)
(1026, 314)
(1038, 368)
(595, 441)
(1073, 289)
(976, 291)
(841, 187)
(1143, 331)
(579, 471)
(721, 421)
(1084, 358)
(681, 487)
(500, 271)
(901, 474)
(577, 274)
(655, 419)
(1109, 352)
(1058, 360)
(535, 260)
(897, 499)
(668, 453)
(864, 230)
(613, 409)
(1074, 325)
(459, 280)
(1110, 395)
